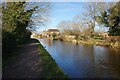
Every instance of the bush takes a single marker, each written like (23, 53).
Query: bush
(8, 43)
(22, 36)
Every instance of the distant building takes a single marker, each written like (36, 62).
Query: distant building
(51, 32)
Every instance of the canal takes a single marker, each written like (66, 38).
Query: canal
(84, 61)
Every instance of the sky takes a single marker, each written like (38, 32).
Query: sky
(63, 11)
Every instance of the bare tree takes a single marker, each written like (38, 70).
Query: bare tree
(90, 12)
(41, 16)
(93, 9)
(64, 25)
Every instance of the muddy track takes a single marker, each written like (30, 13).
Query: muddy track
(27, 64)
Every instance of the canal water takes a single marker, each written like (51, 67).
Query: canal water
(84, 61)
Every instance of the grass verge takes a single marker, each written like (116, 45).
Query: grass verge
(51, 69)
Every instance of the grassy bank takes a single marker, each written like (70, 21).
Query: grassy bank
(104, 43)
(51, 69)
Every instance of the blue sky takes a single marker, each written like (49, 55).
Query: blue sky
(63, 11)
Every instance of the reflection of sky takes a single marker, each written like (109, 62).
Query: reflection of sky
(83, 61)
(64, 11)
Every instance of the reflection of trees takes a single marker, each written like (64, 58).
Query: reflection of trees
(84, 60)
(106, 61)
(114, 62)
(89, 51)
(50, 42)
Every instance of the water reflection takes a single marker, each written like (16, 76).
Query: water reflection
(84, 61)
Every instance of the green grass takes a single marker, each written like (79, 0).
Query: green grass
(98, 38)
(51, 69)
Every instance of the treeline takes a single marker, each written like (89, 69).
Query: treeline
(111, 18)
(95, 14)
(15, 19)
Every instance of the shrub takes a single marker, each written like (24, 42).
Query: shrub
(8, 43)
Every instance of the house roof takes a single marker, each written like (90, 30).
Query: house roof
(53, 30)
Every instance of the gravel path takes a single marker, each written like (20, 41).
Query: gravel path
(26, 65)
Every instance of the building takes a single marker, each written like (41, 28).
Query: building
(51, 32)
